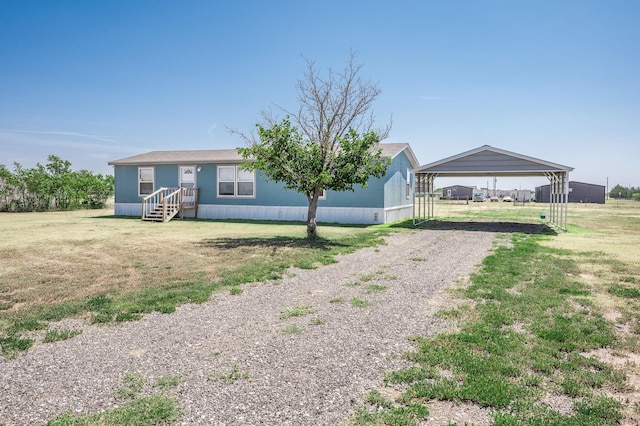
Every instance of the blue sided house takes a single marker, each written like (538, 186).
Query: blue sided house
(209, 184)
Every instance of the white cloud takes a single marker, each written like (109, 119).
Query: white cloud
(64, 139)
(60, 133)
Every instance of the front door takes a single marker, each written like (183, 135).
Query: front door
(188, 180)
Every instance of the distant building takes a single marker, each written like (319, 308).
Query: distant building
(579, 192)
(457, 192)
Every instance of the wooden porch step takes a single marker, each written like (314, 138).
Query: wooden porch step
(184, 199)
(156, 214)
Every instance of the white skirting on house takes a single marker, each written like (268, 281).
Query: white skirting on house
(127, 209)
(355, 215)
(394, 214)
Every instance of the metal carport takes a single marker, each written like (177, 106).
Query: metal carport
(489, 161)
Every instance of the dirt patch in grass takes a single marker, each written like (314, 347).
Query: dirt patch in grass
(444, 413)
(629, 395)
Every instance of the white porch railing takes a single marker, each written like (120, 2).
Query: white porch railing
(166, 203)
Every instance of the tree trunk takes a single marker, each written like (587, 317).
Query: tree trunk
(312, 228)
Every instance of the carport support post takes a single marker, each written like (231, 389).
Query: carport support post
(554, 200)
(431, 200)
(423, 202)
(419, 199)
(416, 199)
(558, 199)
(565, 191)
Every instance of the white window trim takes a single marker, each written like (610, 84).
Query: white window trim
(408, 185)
(323, 195)
(153, 180)
(218, 181)
(235, 183)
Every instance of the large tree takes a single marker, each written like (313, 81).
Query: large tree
(329, 143)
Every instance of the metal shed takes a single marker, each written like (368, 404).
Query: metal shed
(579, 192)
(457, 192)
(489, 161)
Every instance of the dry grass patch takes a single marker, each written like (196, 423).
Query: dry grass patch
(75, 260)
(56, 257)
(44, 272)
(612, 228)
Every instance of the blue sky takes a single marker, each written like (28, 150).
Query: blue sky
(93, 81)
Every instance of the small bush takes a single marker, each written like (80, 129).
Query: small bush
(375, 288)
(12, 345)
(231, 376)
(133, 385)
(56, 335)
(359, 303)
(167, 382)
(157, 409)
(292, 329)
(297, 311)
(236, 291)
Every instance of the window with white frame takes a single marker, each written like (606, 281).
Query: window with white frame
(235, 182)
(145, 180)
(408, 185)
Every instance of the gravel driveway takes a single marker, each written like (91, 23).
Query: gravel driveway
(318, 376)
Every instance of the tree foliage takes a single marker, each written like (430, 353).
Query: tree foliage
(53, 186)
(285, 156)
(620, 191)
(328, 144)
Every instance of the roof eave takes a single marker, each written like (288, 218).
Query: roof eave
(410, 155)
(460, 173)
(553, 167)
(167, 162)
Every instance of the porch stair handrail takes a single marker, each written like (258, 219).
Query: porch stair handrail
(163, 204)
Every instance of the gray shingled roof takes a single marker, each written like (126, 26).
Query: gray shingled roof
(389, 150)
(180, 157)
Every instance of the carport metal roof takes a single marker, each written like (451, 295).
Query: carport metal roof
(489, 161)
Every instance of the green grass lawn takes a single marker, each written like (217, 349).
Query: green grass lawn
(533, 328)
